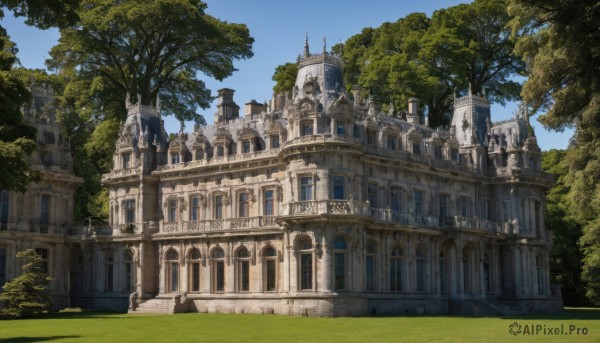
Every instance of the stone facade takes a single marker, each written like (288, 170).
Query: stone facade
(318, 204)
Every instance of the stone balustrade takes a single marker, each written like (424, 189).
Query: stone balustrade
(221, 160)
(244, 223)
(465, 223)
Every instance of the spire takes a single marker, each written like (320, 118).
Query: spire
(324, 45)
(306, 51)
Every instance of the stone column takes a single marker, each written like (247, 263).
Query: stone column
(287, 260)
(326, 271)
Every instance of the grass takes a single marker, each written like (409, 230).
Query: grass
(84, 326)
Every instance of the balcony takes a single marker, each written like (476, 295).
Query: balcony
(465, 223)
(322, 138)
(230, 224)
(221, 160)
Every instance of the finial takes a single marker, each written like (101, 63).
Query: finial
(306, 50)
(324, 45)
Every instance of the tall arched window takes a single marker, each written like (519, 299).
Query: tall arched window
(270, 269)
(396, 270)
(129, 272)
(172, 271)
(370, 267)
(194, 273)
(339, 263)
(421, 265)
(218, 270)
(305, 256)
(486, 273)
(243, 270)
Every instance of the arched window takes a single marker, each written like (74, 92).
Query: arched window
(218, 270)
(305, 256)
(396, 270)
(421, 266)
(270, 269)
(339, 263)
(370, 267)
(194, 272)
(307, 129)
(243, 205)
(172, 271)
(486, 273)
(129, 271)
(243, 270)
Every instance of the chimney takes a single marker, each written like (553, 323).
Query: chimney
(227, 109)
(413, 116)
(254, 107)
(356, 94)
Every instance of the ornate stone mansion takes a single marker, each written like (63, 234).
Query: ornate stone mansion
(315, 204)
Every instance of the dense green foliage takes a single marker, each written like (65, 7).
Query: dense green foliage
(196, 327)
(285, 77)
(26, 294)
(560, 47)
(465, 48)
(141, 49)
(566, 257)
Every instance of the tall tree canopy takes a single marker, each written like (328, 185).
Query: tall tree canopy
(560, 46)
(147, 50)
(152, 49)
(461, 48)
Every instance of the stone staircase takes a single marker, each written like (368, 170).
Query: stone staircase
(478, 308)
(161, 305)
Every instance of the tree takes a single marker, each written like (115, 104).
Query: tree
(44, 13)
(152, 51)
(26, 295)
(566, 257)
(285, 77)
(559, 43)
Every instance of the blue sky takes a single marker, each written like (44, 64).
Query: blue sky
(279, 28)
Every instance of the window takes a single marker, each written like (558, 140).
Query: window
(339, 261)
(218, 207)
(371, 137)
(454, 154)
(421, 265)
(269, 202)
(129, 210)
(129, 271)
(486, 272)
(245, 146)
(443, 206)
(306, 264)
(339, 184)
(370, 267)
(396, 270)
(307, 129)
(418, 202)
(199, 154)
(49, 138)
(44, 255)
(220, 151)
(126, 159)
(437, 152)
(372, 195)
(174, 158)
(108, 272)
(195, 214)
(396, 200)
(4, 198)
(270, 269)
(2, 266)
(306, 188)
(274, 141)
(218, 270)
(443, 275)
(463, 206)
(340, 129)
(172, 271)
(172, 204)
(46, 157)
(195, 260)
(243, 210)
(416, 148)
(356, 131)
(541, 278)
(45, 210)
(391, 142)
(243, 270)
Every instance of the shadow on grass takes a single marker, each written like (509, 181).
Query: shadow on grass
(82, 314)
(34, 339)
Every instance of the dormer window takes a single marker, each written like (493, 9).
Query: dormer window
(126, 159)
(437, 151)
(174, 158)
(199, 154)
(220, 151)
(307, 129)
(416, 148)
(391, 142)
(340, 129)
(49, 138)
(245, 146)
(454, 154)
(274, 141)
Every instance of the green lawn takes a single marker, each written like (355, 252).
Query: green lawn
(75, 326)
